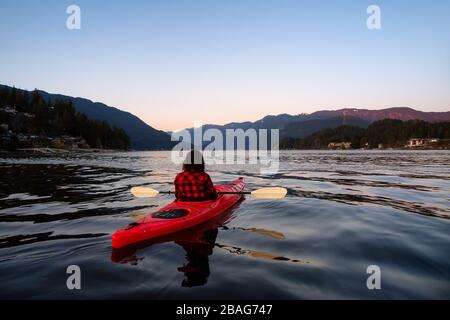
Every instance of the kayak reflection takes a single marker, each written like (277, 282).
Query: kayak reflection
(196, 271)
(198, 243)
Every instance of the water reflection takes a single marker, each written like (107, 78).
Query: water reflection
(196, 270)
(24, 239)
(258, 254)
(354, 199)
(268, 233)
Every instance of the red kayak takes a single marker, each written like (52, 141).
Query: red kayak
(178, 216)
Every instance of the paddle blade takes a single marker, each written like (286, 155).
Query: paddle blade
(269, 233)
(270, 193)
(143, 192)
(137, 216)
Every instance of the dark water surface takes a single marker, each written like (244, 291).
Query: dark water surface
(344, 212)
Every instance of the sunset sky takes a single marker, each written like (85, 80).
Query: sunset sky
(173, 62)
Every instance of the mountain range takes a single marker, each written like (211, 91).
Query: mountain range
(305, 128)
(302, 125)
(401, 113)
(144, 137)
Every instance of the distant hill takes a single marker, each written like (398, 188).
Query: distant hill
(142, 136)
(268, 122)
(305, 128)
(389, 133)
(321, 138)
(403, 114)
(302, 125)
(30, 121)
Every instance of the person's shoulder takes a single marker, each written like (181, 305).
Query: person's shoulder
(180, 175)
(199, 175)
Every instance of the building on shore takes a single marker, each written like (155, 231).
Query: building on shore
(68, 142)
(339, 145)
(421, 142)
(8, 109)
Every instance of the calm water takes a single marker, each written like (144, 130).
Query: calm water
(344, 212)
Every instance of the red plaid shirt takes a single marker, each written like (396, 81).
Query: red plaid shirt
(194, 186)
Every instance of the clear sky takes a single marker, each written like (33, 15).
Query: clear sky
(172, 62)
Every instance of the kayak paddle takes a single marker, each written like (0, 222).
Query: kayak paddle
(265, 232)
(263, 193)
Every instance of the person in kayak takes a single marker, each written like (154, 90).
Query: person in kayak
(193, 183)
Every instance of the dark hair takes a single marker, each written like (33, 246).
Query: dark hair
(194, 162)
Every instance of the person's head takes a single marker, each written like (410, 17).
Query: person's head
(194, 162)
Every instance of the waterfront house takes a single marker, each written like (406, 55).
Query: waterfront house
(339, 145)
(421, 142)
(8, 109)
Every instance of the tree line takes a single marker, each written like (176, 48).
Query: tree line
(388, 132)
(36, 116)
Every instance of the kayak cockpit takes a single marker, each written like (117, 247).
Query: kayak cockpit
(171, 214)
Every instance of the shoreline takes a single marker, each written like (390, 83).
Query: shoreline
(55, 151)
(375, 149)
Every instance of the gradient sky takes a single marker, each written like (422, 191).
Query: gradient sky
(172, 62)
